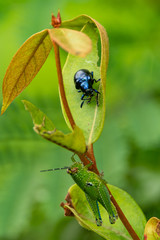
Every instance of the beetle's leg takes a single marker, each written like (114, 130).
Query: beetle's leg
(79, 91)
(92, 74)
(96, 91)
(97, 80)
(89, 100)
(82, 104)
(95, 208)
(82, 98)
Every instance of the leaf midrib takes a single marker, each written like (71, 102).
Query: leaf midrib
(32, 55)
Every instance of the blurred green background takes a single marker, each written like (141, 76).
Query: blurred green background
(128, 150)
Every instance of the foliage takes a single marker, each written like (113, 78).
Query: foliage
(152, 229)
(108, 231)
(94, 116)
(43, 126)
(133, 82)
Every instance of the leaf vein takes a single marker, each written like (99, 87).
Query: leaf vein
(26, 64)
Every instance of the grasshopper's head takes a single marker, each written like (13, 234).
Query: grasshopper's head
(74, 168)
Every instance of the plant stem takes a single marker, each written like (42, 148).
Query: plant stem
(61, 85)
(89, 154)
(123, 218)
(121, 215)
(127, 225)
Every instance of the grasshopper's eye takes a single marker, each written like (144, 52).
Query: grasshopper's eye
(69, 170)
(89, 184)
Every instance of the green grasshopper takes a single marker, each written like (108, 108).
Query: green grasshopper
(94, 188)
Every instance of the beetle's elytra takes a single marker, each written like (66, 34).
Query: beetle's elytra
(84, 80)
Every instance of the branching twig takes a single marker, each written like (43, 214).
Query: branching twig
(89, 154)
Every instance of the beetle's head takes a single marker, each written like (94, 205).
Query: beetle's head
(89, 92)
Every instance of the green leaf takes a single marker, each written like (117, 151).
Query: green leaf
(90, 118)
(25, 65)
(74, 42)
(117, 231)
(152, 229)
(43, 126)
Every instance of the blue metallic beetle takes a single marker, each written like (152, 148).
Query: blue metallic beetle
(84, 80)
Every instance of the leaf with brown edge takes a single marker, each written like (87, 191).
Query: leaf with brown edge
(84, 215)
(94, 115)
(43, 126)
(152, 229)
(25, 65)
(74, 42)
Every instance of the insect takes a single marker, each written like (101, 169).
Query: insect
(94, 188)
(84, 80)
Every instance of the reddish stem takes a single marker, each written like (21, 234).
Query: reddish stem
(61, 85)
(87, 157)
(89, 154)
(123, 218)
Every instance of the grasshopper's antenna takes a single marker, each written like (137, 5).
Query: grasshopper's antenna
(52, 169)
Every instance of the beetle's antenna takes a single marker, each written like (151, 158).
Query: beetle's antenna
(52, 169)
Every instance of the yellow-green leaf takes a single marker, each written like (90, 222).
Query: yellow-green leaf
(73, 141)
(152, 229)
(90, 118)
(84, 215)
(74, 42)
(25, 65)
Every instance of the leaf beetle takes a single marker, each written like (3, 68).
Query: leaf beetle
(84, 80)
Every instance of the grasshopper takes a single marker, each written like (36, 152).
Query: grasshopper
(94, 188)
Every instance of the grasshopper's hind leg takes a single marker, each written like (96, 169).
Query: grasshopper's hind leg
(95, 208)
(104, 199)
